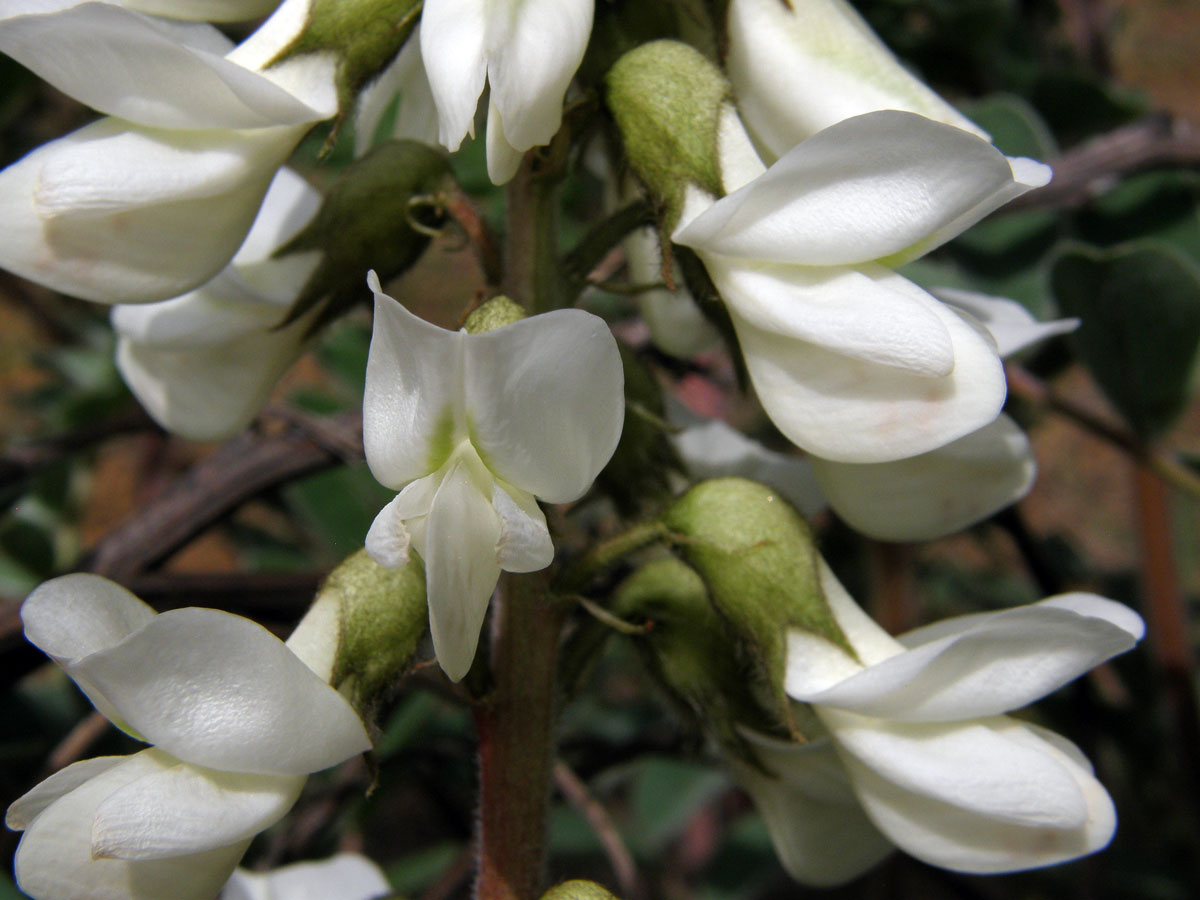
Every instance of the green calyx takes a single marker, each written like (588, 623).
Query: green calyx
(495, 313)
(667, 99)
(364, 36)
(372, 218)
(688, 645)
(757, 559)
(382, 617)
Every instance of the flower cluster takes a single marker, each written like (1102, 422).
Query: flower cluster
(766, 200)
(237, 721)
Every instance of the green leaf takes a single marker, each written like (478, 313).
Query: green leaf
(1140, 306)
(1015, 126)
(667, 793)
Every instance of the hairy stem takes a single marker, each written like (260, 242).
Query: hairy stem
(516, 753)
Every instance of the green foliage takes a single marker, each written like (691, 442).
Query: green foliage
(1140, 306)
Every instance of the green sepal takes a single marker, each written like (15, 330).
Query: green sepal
(688, 645)
(382, 618)
(367, 222)
(495, 313)
(758, 561)
(667, 99)
(363, 35)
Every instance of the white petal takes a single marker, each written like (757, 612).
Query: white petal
(289, 204)
(853, 411)
(454, 48)
(83, 215)
(416, 115)
(814, 664)
(525, 544)
(878, 185)
(210, 393)
(1006, 660)
(461, 568)
(73, 616)
(388, 538)
(711, 449)
(534, 47)
(825, 45)
(1085, 606)
(1010, 324)
(977, 766)
(33, 802)
(347, 876)
(220, 691)
(739, 162)
(205, 10)
(55, 858)
(545, 398)
(125, 64)
(181, 809)
(676, 324)
(997, 799)
(412, 407)
(866, 313)
(820, 832)
(503, 159)
(933, 494)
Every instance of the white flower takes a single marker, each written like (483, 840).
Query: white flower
(347, 876)
(920, 498)
(797, 68)
(473, 429)
(203, 364)
(851, 361)
(238, 721)
(819, 830)
(154, 200)
(526, 50)
(919, 727)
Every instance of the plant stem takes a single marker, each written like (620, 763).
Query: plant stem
(514, 725)
(1168, 629)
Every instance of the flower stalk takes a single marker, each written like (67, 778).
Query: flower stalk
(514, 726)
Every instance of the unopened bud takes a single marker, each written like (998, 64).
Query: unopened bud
(756, 556)
(495, 313)
(372, 218)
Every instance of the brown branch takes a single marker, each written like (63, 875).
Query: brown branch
(245, 467)
(619, 857)
(22, 461)
(1093, 167)
(1023, 384)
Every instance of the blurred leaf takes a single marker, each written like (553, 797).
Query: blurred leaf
(417, 871)
(1140, 306)
(1015, 126)
(339, 505)
(1161, 204)
(1077, 104)
(666, 794)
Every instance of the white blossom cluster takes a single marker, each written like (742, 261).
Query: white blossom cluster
(833, 165)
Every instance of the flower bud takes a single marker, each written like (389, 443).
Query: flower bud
(364, 627)
(363, 35)
(371, 218)
(687, 646)
(668, 100)
(578, 889)
(495, 313)
(756, 556)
